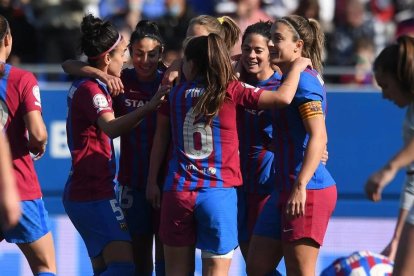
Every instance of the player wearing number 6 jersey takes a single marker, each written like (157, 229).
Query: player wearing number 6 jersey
(89, 197)
(199, 207)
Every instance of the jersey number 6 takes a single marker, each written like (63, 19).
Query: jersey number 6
(198, 137)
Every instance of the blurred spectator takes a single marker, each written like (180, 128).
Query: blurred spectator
(365, 54)
(153, 9)
(308, 9)
(57, 23)
(173, 27)
(203, 6)
(24, 33)
(248, 12)
(405, 27)
(125, 14)
(355, 25)
(323, 12)
(383, 12)
(280, 8)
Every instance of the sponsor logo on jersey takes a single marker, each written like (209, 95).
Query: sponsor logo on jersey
(36, 94)
(135, 103)
(207, 171)
(4, 114)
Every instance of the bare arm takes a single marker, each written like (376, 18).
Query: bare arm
(82, 69)
(9, 198)
(377, 181)
(115, 127)
(161, 142)
(37, 133)
(316, 129)
(286, 92)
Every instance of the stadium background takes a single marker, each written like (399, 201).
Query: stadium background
(364, 131)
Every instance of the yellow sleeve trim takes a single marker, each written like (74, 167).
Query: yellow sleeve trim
(310, 109)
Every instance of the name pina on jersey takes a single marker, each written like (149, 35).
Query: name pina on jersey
(194, 92)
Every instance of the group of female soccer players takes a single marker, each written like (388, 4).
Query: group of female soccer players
(225, 161)
(190, 148)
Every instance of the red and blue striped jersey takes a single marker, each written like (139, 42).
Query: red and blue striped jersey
(93, 159)
(291, 137)
(255, 132)
(136, 145)
(205, 156)
(360, 263)
(19, 95)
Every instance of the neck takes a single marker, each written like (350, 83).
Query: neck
(265, 74)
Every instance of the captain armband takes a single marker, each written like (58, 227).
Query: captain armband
(310, 109)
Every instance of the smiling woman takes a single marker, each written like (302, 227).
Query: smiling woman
(91, 125)
(294, 219)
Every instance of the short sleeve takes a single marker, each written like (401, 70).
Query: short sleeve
(93, 101)
(310, 88)
(31, 99)
(244, 94)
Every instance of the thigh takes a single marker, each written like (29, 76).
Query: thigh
(177, 226)
(179, 260)
(404, 260)
(264, 255)
(216, 223)
(33, 224)
(117, 251)
(301, 256)
(99, 223)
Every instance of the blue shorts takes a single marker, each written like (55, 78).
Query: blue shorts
(34, 223)
(206, 218)
(137, 210)
(98, 222)
(249, 206)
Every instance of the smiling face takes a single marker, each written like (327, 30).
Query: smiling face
(391, 89)
(146, 54)
(255, 55)
(117, 59)
(285, 50)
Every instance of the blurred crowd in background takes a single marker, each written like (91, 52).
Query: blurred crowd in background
(47, 31)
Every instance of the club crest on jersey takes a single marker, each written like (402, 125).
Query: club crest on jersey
(123, 226)
(36, 94)
(4, 114)
(194, 92)
(100, 102)
(245, 85)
